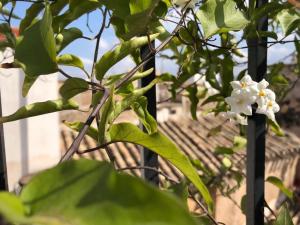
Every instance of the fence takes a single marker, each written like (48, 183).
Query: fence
(257, 66)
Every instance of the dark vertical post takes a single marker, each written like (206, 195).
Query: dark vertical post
(256, 131)
(3, 172)
(149, 158)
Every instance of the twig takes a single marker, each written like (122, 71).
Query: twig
(75, 145)
(205, 211)
(149, 168)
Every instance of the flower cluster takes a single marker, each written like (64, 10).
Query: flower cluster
(247, 92)
(185, 3)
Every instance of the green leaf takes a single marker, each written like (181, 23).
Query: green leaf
(284, 217)
(157, 142)
(96, 98)
(77, 126)
(224, 151)
(77, 9)
(226, 162)
(66, 37)
(193, 91)
(275, 127)
(27, 84)
(160, 144)
(39, 108)
(239, 143)
(244, 204)
(70, 60)
(288, 20)
(72, 87)
(219, 16)
(278, 183)
(120, 52)
(86, 192)
(106, 111)
(11, 208)
(141, 110)
(31, 13)
(40, 38)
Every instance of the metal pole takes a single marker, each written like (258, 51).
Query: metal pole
(3, 172)
(256, 130)
(149, 158)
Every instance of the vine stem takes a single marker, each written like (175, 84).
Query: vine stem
(149, 168)
(75, 145)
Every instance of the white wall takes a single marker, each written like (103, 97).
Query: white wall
(31, 144)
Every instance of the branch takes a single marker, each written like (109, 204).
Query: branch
(149, 168)
(75, 145)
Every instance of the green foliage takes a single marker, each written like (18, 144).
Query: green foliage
(284, 217)
(219, 16)
(39, 37)
(72, 87)
(70, 60)
(193, 91)
(66, 37)
(278, 183)
(157, 142)
(141, 110)
(124, 49)
(89, 192)
(289, 20)
(39, 108)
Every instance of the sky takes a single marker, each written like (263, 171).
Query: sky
(85, 48)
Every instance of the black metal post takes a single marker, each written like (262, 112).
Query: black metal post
(256, 131)
(3, 172)
(149, 158)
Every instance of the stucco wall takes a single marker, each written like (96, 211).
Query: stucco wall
(31, 144)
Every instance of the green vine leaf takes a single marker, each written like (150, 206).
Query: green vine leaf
(289, 19)
(66, 37)
(70, 60)
(27, 84)
(284, 217)
(141, 110)
(31, 13)
(112, 57)
(40, 38)
(72, 87)
(160, 144)
(278, 183)
(157, 142)
(220, 16)
(86, 192)
(39, 108)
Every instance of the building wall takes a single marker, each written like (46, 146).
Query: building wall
(31, 144)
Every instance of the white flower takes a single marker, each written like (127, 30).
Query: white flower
(245, 93)
(264, 94)
(240, 102)
(237, 117)
(185, 3)
(246, 84)
(268, 108)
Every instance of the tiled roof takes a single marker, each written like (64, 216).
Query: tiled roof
(192, 138)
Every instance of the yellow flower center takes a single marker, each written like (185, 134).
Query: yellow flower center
(243, 84)
(262, 93)
(270, 104)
